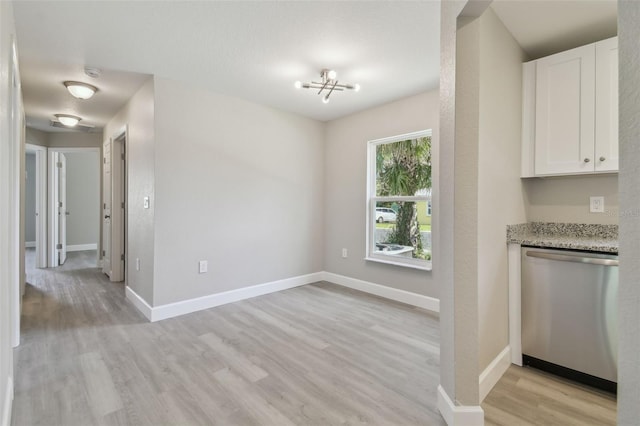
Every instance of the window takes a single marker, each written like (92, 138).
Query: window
(399, 200)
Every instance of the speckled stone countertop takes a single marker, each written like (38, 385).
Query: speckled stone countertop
(576, 236)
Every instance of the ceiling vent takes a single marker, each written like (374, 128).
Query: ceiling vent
(78, 127)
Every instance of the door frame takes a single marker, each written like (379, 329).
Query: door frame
(53, 195)
(119, 198)
(41, 202)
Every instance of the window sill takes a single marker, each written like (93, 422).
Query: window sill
(426, 267)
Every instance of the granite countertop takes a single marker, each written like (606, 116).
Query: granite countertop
(576, 236)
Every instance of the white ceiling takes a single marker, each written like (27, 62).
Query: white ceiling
(256, 50)
(44, 93)
(253, 50)
(544, 27)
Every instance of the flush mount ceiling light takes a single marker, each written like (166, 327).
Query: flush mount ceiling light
(80, 90)
(68, 120)
(329, 83)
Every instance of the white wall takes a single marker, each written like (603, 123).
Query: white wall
(138, 115)
(345, 177)
(9, 251)
(629, 289)
(30, 198)
(237, 184)
(83, 198)
(500, 194)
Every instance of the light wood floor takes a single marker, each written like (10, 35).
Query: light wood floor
(526, 396)
(314, 355)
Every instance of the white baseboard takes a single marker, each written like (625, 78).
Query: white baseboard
(29, 244)
(170, 310)
(82, 247)
(139, 302)
(458, 415)
(494, 372)
(8, 403)
(414, 299)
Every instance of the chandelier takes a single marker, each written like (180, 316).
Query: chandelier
(328, 83)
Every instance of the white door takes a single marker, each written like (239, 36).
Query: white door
(62, 208)
(106, 209)
(565, 112)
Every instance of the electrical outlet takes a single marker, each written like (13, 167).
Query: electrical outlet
(596, 204)
(203, 266)
(344, 253)
(146, 202)
(137, 263)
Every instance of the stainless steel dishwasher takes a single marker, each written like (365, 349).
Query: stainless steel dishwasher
(569, 314)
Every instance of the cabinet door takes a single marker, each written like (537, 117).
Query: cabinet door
(565, 112)
(606, 153)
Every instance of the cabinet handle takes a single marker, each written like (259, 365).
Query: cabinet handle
(602, 158)
(586, 160)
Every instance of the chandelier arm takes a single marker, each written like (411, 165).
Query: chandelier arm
(331, 91)
(323, 87)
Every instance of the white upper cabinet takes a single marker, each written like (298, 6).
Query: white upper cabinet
(570, 112)
(606, 152)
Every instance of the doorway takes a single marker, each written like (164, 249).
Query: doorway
(114, 206)
(74, 202)
(35, 216)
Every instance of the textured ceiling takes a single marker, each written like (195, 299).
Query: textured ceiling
(256, 50)
(252, 50)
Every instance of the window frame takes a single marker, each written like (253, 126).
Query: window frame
(372, 199)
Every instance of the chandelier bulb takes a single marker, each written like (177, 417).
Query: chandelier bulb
(298, 84)
(325, 99)
(332, 74)
(356, 88)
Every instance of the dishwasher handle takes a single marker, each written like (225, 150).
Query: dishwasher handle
(578, 258)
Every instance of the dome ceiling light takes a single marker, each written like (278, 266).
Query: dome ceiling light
(329, 83)
(68, 120)
(80, 90)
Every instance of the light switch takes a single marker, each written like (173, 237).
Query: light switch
(203, 266)
(146, 202)
(596, 204)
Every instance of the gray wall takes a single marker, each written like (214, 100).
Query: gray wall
(456, 371)
(36, 137)
(30, 199)
(83, 197)
(629, 290)
(566, 199)
(345, 177)
(138, 115)
(74, 140)
(500, 193)
(237, 184)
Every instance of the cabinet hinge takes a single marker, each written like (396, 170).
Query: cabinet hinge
(103, 253)
(122, 204)
(122, 156)
(59, 246)
(59, 203)
(59, 164)
(122, 257)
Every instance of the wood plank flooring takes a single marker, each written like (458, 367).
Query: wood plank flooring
(526, 396)
(313, 355)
